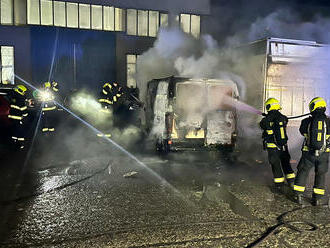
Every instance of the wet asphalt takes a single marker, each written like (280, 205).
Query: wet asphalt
(98, 196)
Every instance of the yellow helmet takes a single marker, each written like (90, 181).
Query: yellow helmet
(20, 89)
(272, 104)
(106, 85)
(47, 85)
(317, 102)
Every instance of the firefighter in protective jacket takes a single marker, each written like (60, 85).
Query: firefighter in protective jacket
(17, 113)
(49, 107)
(109, 96)
(315, 151)
(111, 92)
(275, 141)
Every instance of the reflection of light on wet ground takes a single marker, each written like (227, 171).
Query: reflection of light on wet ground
(51, 183)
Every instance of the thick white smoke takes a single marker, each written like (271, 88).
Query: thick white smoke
(179, 54)
(89, 108)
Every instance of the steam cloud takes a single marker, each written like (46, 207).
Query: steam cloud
(90, 109)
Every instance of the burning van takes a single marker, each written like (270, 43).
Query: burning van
(191, 114)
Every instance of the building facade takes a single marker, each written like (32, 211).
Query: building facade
(83, 43)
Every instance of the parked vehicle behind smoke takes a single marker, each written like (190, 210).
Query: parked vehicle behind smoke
(292, 71)
(190, 114)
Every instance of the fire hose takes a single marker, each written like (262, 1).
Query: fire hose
(291, 117)
(310, 227)
(298, 116)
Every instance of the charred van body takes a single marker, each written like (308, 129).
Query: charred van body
(191, 114)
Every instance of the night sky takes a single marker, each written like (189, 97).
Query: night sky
(230, 17)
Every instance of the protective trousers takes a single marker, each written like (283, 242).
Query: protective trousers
(280, 162)
(48, 122)
(306, 163)
(106, 125)
(17, 133)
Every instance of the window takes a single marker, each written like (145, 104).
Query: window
(7, 64)
(33, 12)
(59, 14)
(185, 23)
(153, 23)
(97, 17)
(72, 15)
(46, 12)
(131, 60)
(142, 22)
(84, 16)
(190, 24)
(163, 20)
(132, 21)
(119, 19)
(195, 25)
(20, 12)
(109, 18)
(6, 11)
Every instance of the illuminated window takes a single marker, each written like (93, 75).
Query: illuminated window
(190, 24)
(185, 23)
(131, 60)
(84, 16)
(195, 25)
(59, 14)
(142, 22)
(72, 15)
(33, 12)
(119, 19)
(97, 17)
(163, 20)
(46, 12)
(6, 11)
(153, 23)
(109, 18)
(20, 12)
(7, 64)
(132, 21)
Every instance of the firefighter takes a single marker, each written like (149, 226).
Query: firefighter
(49, 107)
(111, 92)
(315, 151)
(108, 97)
(275, 142)
(17, 113)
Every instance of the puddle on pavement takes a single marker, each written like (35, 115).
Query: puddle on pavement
(220, 193)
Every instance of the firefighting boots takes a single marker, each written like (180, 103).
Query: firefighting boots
(298, 198)
(290, 183)
(278, 188)
(316, 200)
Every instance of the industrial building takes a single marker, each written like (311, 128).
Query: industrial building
(82, 43)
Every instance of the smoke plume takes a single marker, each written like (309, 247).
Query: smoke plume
(89, 108)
